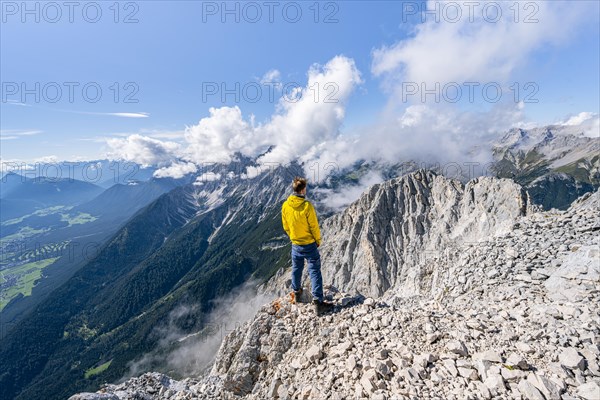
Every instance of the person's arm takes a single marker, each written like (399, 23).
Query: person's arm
(286, 227)
(313, 224)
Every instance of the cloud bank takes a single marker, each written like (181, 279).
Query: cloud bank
(310, 130)
(143, 150)
(185, 354)
(478, 46)
(588, 122)
(299, 127)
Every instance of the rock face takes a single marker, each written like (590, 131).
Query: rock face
(505, 311)
(394, 235)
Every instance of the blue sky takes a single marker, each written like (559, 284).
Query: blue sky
(170, 54)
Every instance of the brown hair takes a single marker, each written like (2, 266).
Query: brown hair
(299, 184)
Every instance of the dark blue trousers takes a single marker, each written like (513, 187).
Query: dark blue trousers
(310, 253)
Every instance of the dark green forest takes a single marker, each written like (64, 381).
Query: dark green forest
(109, 309)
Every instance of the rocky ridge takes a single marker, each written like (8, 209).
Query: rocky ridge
(555, 163)
(396, 237)
(512, 316)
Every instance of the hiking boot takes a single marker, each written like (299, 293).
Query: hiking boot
(296, 296)
(321, 307)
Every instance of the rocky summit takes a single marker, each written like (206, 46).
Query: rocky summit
(396, 238)
(506, 307)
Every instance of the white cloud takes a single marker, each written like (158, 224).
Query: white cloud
(338, 200)
(191, 353)
(300, 127)
(422, 133)
(143, 150)
(207, 177)
(112, 114)
(252, 172)
(19, 132)
(309, 129)
(587, 122)
(593, 129)
(477, 50)
(579, 118)
(271, 76)
(158, 134)
(297, 128)
(216, 138)
(176, 170)
(127, 114)
(151, 133)
(445, 134)
(446, 52)
(12, 134)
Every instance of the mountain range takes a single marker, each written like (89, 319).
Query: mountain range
(54, 229)
(449, 291)
(556, 164)
(195, 241)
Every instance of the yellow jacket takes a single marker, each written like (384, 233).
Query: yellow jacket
(300, 221)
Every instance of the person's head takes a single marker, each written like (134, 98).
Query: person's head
(299, 185)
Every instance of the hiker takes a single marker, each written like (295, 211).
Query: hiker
(301, 225)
